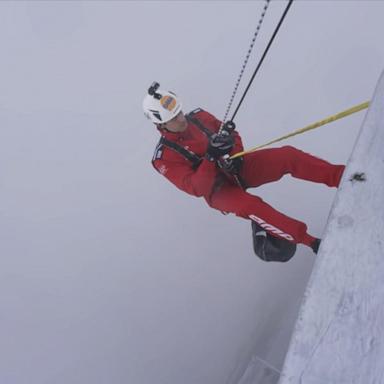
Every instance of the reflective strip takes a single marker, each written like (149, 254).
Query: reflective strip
(271, 228)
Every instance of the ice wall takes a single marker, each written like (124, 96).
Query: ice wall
(339, 335)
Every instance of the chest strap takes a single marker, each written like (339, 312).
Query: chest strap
(191, 118)
(189, 155)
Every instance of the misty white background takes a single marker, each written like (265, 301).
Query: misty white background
(108, 273)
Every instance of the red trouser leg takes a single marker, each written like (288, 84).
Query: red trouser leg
(269, 165)
(231, 198)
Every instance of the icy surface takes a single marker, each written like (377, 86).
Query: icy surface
(339, 335)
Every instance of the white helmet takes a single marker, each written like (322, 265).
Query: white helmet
(160, 106)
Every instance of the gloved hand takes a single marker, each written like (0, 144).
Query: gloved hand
(232, 166)
(219, 145)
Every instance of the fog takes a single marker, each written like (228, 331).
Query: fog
(108, 273)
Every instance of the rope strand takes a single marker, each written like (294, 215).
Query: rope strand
(263, 57)
(245, 62)
(318, 124)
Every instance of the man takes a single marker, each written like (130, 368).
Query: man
(191, 154)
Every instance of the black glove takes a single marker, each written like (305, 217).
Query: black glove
(219, 145)
(232, 166)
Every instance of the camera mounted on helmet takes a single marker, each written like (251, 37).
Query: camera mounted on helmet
(152, 90)
(160, 106)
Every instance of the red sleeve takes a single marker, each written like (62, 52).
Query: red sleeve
(197, 182)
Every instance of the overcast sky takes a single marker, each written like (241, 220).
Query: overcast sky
(108, 273)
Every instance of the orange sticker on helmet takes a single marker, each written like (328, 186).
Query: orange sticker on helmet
(168, 102)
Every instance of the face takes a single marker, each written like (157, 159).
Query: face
(177, 124)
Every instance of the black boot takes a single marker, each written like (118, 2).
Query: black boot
(315, 245)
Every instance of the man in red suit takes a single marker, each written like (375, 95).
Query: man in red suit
(192, 155)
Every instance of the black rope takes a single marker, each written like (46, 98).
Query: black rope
(263, 57)
(246, 61)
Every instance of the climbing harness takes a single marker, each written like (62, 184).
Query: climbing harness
(318, 124)
(191, 156)
(187, 154)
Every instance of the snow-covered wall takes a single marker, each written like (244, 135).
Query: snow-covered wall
(339, 335)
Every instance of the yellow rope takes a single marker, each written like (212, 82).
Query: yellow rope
(327, 120)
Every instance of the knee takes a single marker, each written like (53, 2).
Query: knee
(291, 156)
(290, 150)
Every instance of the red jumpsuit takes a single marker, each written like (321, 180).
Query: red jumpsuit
(260, 167)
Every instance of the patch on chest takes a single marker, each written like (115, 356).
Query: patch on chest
(158, 152)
